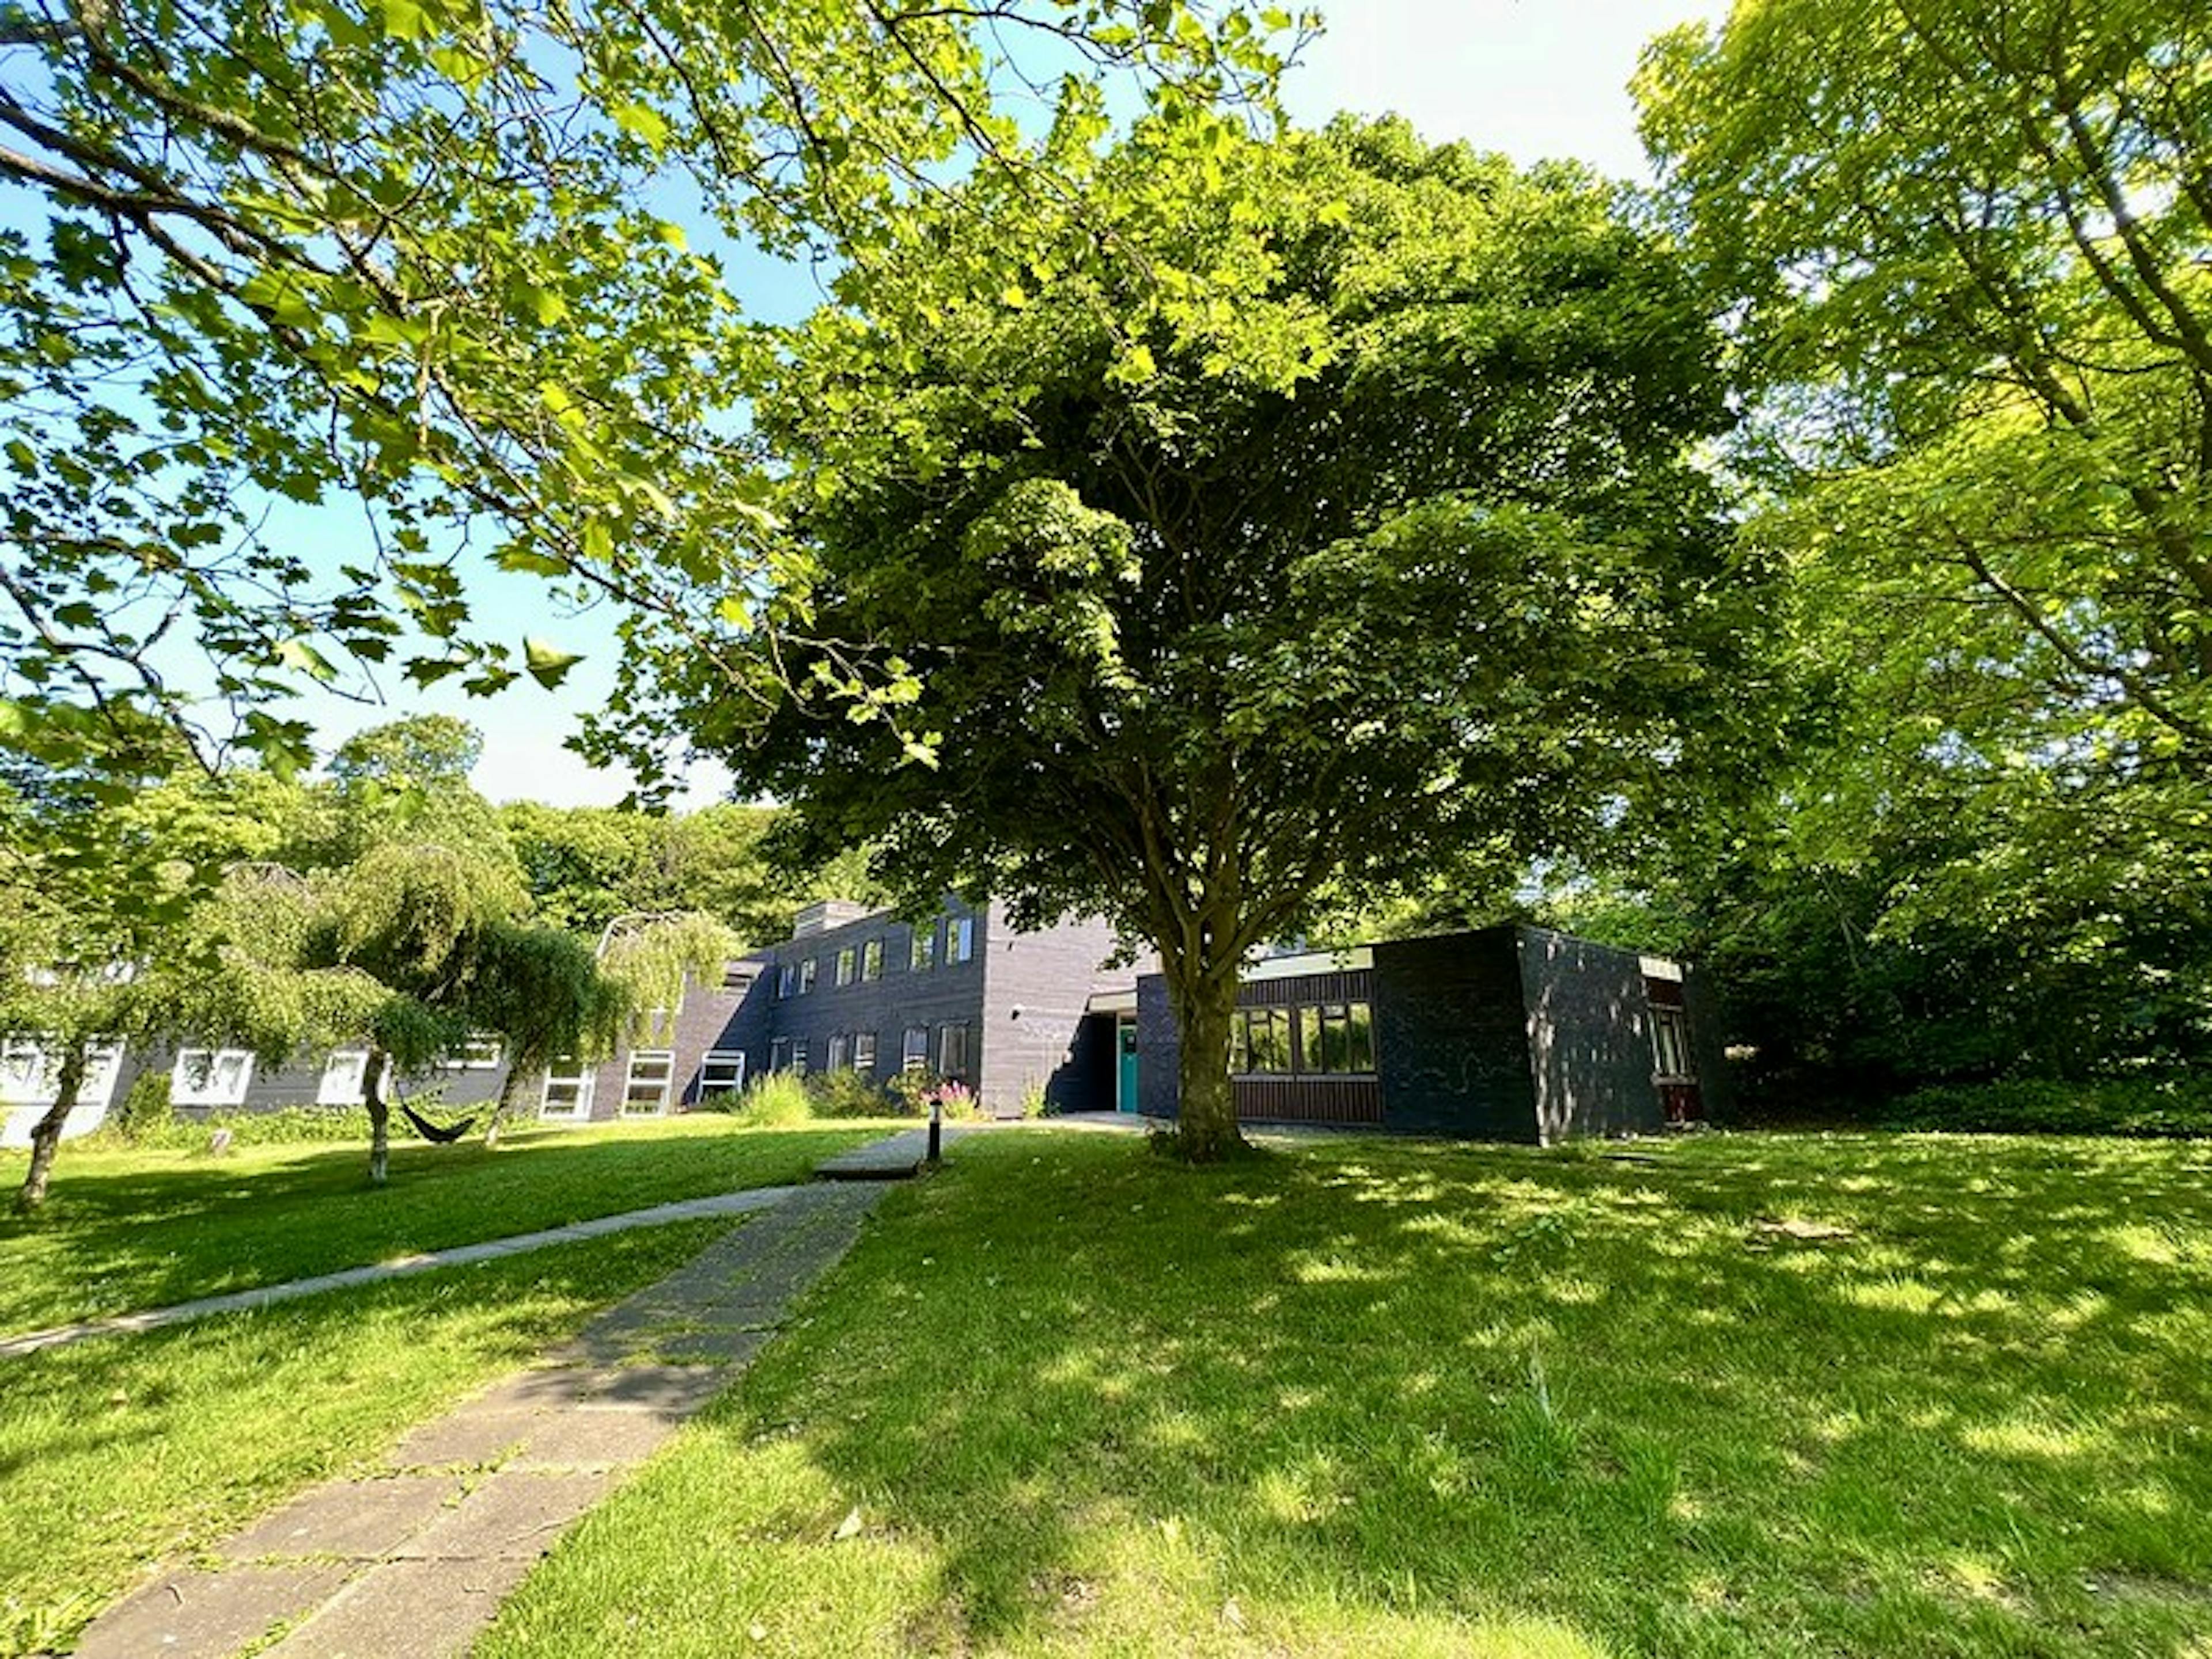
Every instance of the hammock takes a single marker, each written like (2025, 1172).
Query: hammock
(430, 1131)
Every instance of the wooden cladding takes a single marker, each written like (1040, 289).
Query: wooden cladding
(1308, 1099)
(1353, 985)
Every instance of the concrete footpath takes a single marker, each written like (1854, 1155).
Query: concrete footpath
(411, 1562)
(689, 1209)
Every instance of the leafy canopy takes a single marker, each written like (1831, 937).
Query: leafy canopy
(1286, 519)
(431, 255)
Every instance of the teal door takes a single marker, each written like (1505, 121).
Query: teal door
(1125, 1083)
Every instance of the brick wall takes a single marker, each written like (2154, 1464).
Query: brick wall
(1590, 1036)
(1451, 1040)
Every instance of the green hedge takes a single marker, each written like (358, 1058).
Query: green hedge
(2163, 1108)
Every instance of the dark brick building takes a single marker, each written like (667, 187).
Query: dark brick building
(1509, 1033)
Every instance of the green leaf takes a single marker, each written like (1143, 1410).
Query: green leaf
(547, 662)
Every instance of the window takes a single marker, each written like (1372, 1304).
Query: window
(921, 955)
(952, 1052)
(872, 959)
(839, 1047)
(779, 1054)
(30, 1071)
(210, 1077)
(913, 1051)
(481, 1053)
(1670, 1045)
(863, 1052)
(806, 976)
(345, 1077)
(1336, 1037)
(22, 1072)
(787, 982)
(960, 939)
(1259, 1041)
(798, 1058)
(722, 1074)
(568, 1093)
(644, 1087)
(845, 958)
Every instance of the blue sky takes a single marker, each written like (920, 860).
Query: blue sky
(1533, 78)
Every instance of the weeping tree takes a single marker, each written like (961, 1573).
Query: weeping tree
(541, 990)
(413, 920)
(651, 955)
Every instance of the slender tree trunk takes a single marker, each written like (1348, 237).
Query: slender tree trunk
(379, 1116)
(507, 1085)
(1205, 1123)
(46, 1133)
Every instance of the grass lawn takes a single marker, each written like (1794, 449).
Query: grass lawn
(1746, 1395)
(123, 1231)
(117, 1452)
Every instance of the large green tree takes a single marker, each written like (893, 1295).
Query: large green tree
(1286, 519)
(429, 256)
(1969, 244)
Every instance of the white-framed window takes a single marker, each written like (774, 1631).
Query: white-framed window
(345, 1075)
(645, 1086)
(952, 1052)
(30, 1072)
(798, 1057)
(872, 959)
(840, 1046)
(921, 954)
(960, 939)
(779, 1054)
(1670, 1044)
(722, 1074)
(806, 976)
(569, 1083)
(22, 1073)
(210, 1077)
(863, 1052)
(913, 1049)
(482, 1052)
(846, 958)
(787, 982)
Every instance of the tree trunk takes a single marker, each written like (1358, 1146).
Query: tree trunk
(499, 1107)
(46, 1133)
(379, 1116)
(1206, 1122)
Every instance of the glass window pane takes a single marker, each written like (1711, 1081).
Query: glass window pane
(1361, 1038)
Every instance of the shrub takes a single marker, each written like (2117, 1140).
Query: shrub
(847, 1094)
(917, 1090)
(2144, 1108)
(291, 1125)
(780, 1097)
(145, 1105)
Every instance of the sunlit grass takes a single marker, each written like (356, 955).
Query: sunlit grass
(130, 1229)
(125, 1451)
(1729, 1396)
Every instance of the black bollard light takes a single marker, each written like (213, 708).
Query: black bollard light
(936, 1127)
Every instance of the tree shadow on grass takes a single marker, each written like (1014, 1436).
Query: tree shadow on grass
(1757, 1396)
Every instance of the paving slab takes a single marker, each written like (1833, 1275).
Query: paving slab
(355, 1520)
(513, 1515)
(408, 1610)
(194, 1614)
(413, 1565)
(675, 1391)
